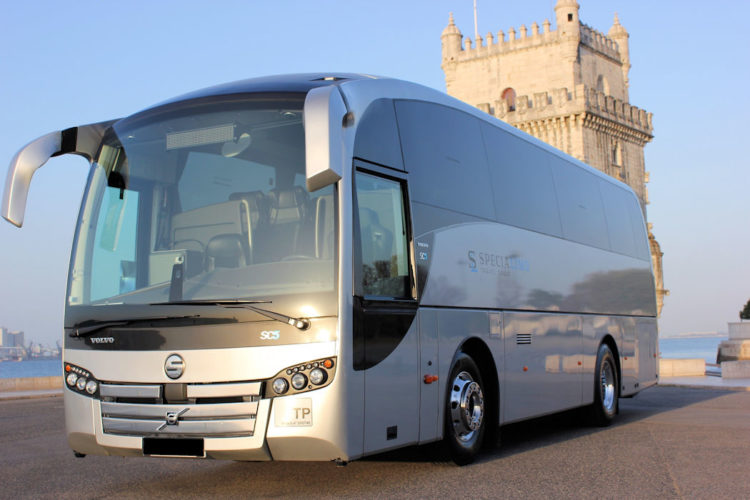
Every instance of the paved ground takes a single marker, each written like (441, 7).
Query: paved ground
(667, 443)
(707, 382)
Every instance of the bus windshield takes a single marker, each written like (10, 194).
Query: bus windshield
(205, 199)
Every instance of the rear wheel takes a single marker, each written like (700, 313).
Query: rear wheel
(606, 388)
(466, 412)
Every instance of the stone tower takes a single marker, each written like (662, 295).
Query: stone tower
(567, 87)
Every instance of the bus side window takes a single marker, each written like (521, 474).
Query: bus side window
(382, 237)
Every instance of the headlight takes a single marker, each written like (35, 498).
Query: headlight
(307, 376)
(91, 386)
(299, 381)
(81, 383)
(280, 386)
(318, 376)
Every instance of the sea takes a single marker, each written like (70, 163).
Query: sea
(33, 368)
(675, 347)
(691, 347)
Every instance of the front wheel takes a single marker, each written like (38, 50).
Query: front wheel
(606, 387)
(465, 413)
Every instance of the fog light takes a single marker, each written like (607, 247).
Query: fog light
(318, 376)
(299, 381)
(91, 386)
(71, 379)
(81, 383)
(280, 386)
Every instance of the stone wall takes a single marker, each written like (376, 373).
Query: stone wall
(30, 384)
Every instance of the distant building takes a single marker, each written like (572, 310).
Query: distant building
(567, 87)
(11, 339)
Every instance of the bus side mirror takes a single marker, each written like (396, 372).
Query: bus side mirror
(324, 114)
(83, 141)
(22, 168)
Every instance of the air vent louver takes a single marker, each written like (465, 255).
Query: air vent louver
(523, 338)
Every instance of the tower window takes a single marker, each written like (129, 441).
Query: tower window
(617, 154)
(602, 85)
(509, 96)
(570, 17)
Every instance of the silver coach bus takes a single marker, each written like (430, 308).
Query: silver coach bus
(315, 267)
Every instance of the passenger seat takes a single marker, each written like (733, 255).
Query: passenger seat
(258, 217)
(288, 214)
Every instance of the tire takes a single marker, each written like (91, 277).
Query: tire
(465, 411)
(606, 388)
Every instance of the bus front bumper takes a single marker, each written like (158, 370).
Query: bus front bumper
(282, 429)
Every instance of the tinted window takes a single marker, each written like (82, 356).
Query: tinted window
(619, 226)
(377, 135)
(581, 210)
(522, 181)
(639, 229)
(382, 237)
(444, 154)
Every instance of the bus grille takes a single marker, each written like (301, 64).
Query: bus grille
(202, 410)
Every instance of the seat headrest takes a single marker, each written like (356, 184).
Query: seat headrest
(225, 250)
(288, 198)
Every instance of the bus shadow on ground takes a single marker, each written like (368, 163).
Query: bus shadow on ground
(559, 427)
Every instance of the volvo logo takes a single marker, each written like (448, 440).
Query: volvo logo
(102, 340)
(172, 418)
(174, 366)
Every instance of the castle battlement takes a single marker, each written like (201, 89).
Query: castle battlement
(525, 38)
(562, 102)
(619, 111)
(503, 42)
(600, 42)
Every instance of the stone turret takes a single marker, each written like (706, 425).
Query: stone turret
(569, 32)
(566, 12)
(621, 36)
(451, 41)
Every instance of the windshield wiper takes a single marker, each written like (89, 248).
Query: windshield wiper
(300, 323)
(89, 327)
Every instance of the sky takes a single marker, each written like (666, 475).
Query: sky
(68, 63)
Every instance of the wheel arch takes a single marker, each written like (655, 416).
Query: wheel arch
(609, 341)
(482, 356)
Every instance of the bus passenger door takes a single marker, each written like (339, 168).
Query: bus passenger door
(386, 343)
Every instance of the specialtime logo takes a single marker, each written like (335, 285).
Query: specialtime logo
(491, 263)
